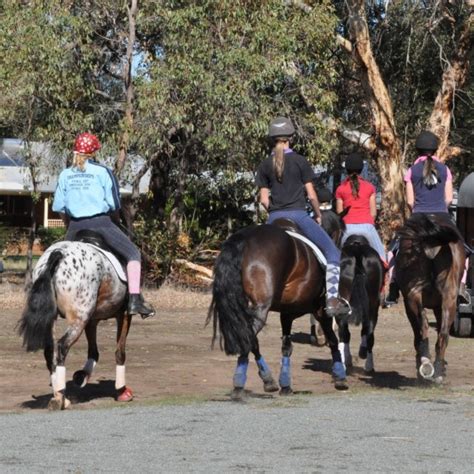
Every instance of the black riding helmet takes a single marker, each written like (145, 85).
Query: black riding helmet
(427, 140)
(281, 127)
(354, 162)
(324, 195)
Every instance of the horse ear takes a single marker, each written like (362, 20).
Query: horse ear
(344, 212)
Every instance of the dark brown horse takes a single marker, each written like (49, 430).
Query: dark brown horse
(429, 267)
(263, 268)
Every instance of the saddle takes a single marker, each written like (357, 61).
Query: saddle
(94, 238)
(293, 230)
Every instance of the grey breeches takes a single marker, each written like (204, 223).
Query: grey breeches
(112, 235)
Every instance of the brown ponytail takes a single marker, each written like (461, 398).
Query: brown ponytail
(79, 161)
(355, 185)
(278, 158)
(430, 173)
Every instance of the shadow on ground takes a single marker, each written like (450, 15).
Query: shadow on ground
(77, 395)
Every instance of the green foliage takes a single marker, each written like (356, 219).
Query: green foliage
(51, 235)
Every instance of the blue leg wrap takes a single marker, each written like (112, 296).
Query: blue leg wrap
(285, 372)
(240, 374)
(338, 371)
(263, 369)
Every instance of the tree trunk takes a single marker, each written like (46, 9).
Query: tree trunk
(128, 84)
(454, 78)
(387, 154)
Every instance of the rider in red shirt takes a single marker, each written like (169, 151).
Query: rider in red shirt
(358, 195)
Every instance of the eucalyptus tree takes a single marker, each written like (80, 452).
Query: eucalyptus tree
(214, 73)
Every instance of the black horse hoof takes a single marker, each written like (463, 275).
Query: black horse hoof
(80, 378)
(363, 352)
(270, 387)
(341, 385)
(237, 394)
(286, 391)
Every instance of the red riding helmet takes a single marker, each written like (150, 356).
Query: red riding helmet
(86, 143)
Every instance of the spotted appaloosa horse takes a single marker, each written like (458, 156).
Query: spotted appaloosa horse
(263, 268)
(362, 276)
(428, 268)
(77, 282)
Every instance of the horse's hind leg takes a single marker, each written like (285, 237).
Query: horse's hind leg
(124, 393)
(286, 350)
(81, 377)
(444, 319)
(58, 376)
(338, 368)
(344, 343)
(269, 384)
(419, 323)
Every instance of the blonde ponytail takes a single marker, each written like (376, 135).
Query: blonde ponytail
(278, 158)
(79, 161)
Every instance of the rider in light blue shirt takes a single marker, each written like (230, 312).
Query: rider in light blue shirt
(87, 196)
(87, 193)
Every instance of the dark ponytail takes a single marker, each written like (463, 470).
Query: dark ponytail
(430, 173)
(355, 185)
(279, 158)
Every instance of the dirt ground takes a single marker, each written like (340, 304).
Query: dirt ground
(169, 359)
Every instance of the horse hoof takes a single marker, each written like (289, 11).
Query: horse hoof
(341, 385)
(80, 378)
(270, 387)
(286, 391)
(426, 370)
(55, 405)
(369, 371)
(237, 395)
(125, 394)
(439, 380)
(363, 352)
(313, 341)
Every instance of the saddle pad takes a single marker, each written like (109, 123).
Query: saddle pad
(316, 250)
(114, 262)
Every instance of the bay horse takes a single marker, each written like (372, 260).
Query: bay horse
(76, 281)
(362, 277)
(428, 268)
(260, 269)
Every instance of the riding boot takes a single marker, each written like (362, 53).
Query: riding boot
(335, 305)
(464, 296)
(137, 305)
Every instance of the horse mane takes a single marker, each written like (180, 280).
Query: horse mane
(422, 229)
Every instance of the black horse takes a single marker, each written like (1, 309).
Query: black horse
(263, 268)
(429, 268)
(362, 276)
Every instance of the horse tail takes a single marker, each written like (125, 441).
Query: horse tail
(359, 294)
(230, 306)
(36, 322)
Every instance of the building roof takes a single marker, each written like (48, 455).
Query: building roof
(15, 178)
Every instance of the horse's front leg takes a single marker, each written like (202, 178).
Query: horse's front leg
(317, 337)
(286, 350)
(124, 393)
(338, 368)
(81, 377)
(58, 375)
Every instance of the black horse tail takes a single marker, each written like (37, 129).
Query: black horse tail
(36, 323)
(359, 293)
(230, 306)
